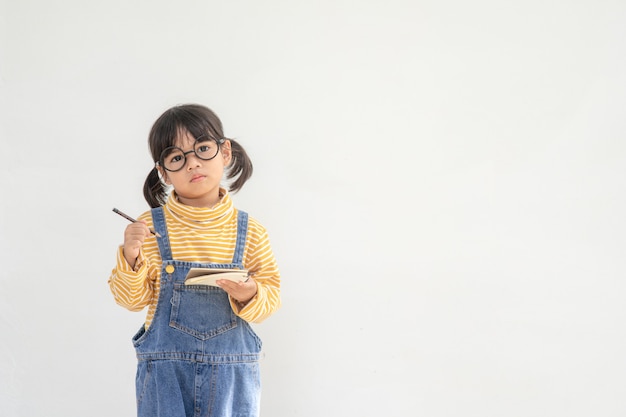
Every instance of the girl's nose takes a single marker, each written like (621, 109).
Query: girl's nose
(192, 161)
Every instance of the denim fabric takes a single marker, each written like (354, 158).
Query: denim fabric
(197, 358)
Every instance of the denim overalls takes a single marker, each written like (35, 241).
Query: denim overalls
(197, 358)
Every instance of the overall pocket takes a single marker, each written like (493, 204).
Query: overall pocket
(201, 311)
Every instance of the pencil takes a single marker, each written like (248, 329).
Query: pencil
(127, 217)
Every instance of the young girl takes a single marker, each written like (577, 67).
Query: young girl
(197, 354)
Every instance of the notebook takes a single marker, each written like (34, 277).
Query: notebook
(208, 276)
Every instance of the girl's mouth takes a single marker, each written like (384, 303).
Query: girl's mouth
(197, 178)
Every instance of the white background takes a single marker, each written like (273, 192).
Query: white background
(443, 182)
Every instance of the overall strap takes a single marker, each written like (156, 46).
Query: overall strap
(242, 232)
(158, 218)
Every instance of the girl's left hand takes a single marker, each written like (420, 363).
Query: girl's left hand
(243, 292)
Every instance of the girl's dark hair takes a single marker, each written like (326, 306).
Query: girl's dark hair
(197, 120)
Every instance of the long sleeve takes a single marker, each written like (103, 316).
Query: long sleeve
(261, 263)
(131, 288)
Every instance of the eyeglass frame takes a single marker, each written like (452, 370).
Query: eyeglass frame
(202, 138)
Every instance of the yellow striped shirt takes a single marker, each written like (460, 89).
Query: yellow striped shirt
(199, 235)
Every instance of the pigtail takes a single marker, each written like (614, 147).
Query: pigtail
(240, 166)
(154, 191)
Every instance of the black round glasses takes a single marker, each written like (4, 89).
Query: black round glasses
(174, 159)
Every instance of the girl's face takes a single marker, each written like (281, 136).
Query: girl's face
(197, 184)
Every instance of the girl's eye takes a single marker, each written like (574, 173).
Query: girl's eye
(176, 158)
(204, 148)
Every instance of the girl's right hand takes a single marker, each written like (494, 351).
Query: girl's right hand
(134, 236)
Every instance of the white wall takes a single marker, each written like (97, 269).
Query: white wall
(443, 182)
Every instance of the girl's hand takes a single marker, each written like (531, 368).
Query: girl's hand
(243, 292)
(134, 236)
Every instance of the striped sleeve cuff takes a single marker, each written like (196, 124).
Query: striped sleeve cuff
(123, 268)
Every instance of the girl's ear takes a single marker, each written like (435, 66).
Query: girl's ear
(227, 152)
(163, 175)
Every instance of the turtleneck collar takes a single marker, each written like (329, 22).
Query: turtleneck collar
(201, 217)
